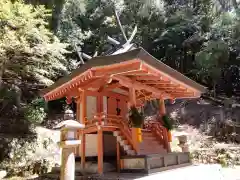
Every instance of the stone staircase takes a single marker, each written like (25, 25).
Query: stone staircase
(149, 145)
(124, 143)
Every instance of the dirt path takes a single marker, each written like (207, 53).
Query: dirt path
(198, 172)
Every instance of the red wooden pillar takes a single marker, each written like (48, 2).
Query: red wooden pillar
(82, 116)
(132, 101)
(100, 135)
(162, 110)
(118, 157)
(100, 150)
(99, 103)
(78, 118)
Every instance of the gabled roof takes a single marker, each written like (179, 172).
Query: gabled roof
(91, 70)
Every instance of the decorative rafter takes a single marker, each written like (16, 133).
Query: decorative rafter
(125, 81)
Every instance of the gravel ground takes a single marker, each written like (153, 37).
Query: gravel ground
(195, 172)
(198, 172)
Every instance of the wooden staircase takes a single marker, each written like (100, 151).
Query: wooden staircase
(154, 138)
(124, 143)
(149, 145)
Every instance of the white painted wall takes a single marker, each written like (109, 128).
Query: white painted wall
(105, 104)
(91, 106)
(109, 145)
(109, 141)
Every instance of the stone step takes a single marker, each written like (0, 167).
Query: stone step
(120, 138)
(131, 152)
(116, 133)
(148, 134)
(127, 147)
(123, 142)
(149, 138)
(150, 145)
(152, 149)
(153, 152)
(150, 142)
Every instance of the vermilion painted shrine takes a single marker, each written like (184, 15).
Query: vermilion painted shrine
(105, 84)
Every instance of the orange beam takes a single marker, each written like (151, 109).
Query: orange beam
(112, 86)
(94, 84)
(69, 86)
(124, 81)
(117, 68)
(185, 94)
(156, 72)
(155, 82)
(150, 77)
(107, 128)
(132, 73)
(103, 93)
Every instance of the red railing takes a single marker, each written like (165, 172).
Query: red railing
(122, 124)
(160, 132)
(104, 119)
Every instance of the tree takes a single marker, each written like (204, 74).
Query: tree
(29, 52)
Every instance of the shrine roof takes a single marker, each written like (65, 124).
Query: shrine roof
(87, 70)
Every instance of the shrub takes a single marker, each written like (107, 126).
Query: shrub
(136, 117)
(167, 122)
(34, 112)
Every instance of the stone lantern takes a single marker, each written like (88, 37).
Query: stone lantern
(183, 143)
(68, 142)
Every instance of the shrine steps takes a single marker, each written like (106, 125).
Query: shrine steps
(149, 144)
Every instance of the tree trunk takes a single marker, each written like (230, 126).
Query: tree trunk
(214, 89)
(56, 14)
(2, 69)
(235, 4)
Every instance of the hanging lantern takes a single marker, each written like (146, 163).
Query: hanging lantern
(68, 100)
(172, 101)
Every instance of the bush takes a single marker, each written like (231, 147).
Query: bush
(136, 118)
(33, 154)
(35, 112)
(167, 122)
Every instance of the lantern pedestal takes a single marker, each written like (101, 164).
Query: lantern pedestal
(183, 143)
(68, 143)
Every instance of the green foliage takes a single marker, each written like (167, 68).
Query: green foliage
(167, 122)
(35, 115)
(34, 112)
(211, 59)
(199, 38)
(136, 117)
(28, 50)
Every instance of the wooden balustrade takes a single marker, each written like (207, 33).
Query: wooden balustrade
(104, 119)
(122, 124)
(161, 134)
